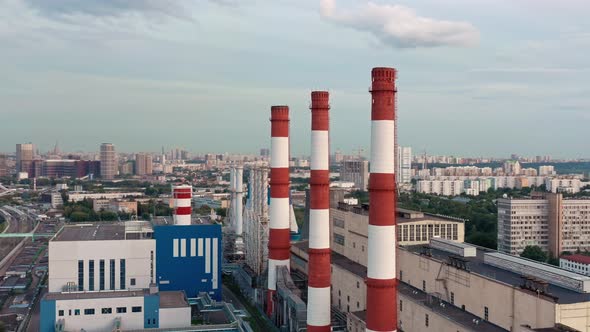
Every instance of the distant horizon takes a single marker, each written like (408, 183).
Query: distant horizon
(65, 152)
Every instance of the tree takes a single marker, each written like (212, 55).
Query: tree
(535, 253)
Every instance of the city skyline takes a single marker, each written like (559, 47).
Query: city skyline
(204, 74)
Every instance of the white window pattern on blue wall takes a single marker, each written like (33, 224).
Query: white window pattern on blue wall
(196, 249)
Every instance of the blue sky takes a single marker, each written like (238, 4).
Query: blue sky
(477, 78)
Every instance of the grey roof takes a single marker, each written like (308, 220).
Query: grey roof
(94, 232)
(447, 310)
(96, 295)
(173, 299)
(476, 265)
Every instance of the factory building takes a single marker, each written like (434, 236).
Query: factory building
(132, 275)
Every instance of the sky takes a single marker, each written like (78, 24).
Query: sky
(475, 78)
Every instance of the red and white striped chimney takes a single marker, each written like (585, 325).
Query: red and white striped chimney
(318, 292)
(183, 195)
(381, 272)
(279, 233)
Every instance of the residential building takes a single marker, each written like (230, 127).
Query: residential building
(404, 165)
(441, 187)
(114, 205)
(547, 170)
(546, 220)
(356, 171)
(563, 184)
(3, 165)
(143, 164)
(512, 167)
(108, 161)
(577, 263)
(24, 157)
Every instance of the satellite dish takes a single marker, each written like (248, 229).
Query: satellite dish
(505, 195)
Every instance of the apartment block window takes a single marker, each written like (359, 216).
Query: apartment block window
(401, 275)
(88, 311)
(91, 275)
(106, 311)
(112, 273)
(401, 305)
(60, 313)
(121, 310)
(426, 320)
(80, 275)
(358, 284)
(135, 309)
(122, 273)
(76, 312)
(452, 298)
(486, 313)
(132, 281)
(424, 285)
(358, 305)
(101, 274)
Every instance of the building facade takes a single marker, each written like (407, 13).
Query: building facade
(546, 220)
(143, 164)
(108, 161)
(129, 276)
(24, 157)
(356, 171)
(576, 263)
(404, 165)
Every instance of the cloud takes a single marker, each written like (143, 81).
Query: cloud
(112, 8)
(400, 26)
(535, 70)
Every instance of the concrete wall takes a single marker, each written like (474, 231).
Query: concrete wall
(575, 315)
(189, 259)
(64, 256)
(348, 290)
(175, 317)
(507, 305)
(98, 321)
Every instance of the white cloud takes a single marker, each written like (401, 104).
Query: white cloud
(400, 26)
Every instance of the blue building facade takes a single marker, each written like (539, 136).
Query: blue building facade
(188, 258)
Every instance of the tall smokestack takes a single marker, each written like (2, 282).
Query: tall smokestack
(279, 234)
(183, 195)
(239, 174)
(318, 303)
(381, 273)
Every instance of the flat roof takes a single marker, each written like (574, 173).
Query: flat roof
(477, 266)
(173, 299)
(96, 295)
(97, 231)
(449, 311)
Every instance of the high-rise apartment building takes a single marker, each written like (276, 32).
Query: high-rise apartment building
(356, 171)
(546, 220)
(512, 167)
(108, 161)
(24, 157)
(404, 164)
(3, 166)
(143, 164)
